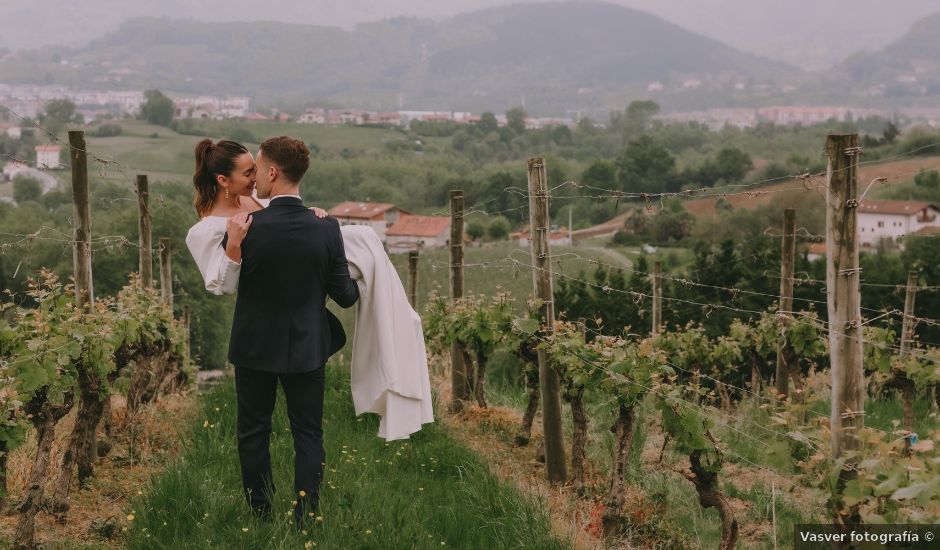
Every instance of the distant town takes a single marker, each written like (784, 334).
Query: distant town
(29, 101)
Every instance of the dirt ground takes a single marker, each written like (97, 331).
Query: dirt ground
(119, 477)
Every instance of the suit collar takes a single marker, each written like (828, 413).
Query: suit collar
(286, 200)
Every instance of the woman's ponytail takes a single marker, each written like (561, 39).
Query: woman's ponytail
(203, 180)
(212, 159)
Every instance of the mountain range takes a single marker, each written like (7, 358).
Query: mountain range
(547, 55)
(551, 57)
(906, 69)
(810, 34)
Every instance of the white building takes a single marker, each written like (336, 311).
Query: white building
(352, 117)
(379, 216)
(47, 156)
(13, 169)
(211, 107)
(313, 116)
(234, 107)
(11, 130)
(891, 220)
(418, 232)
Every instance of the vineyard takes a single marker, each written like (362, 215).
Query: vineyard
(691, 383)
(784, 387)
(63, 349)
(695, 386)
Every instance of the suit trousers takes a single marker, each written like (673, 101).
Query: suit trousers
(256, 391)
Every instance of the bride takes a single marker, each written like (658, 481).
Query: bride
(389, 363)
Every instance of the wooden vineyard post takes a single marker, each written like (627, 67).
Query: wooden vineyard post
(542, 282)
(845, 322)
(145, 241)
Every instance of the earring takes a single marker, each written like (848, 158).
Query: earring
(226, 193)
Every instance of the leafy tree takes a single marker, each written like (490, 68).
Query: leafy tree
(157, 108)
(499, 192)
(671, 226)
(515, 120)
(601, 173)
(729, 165)
(733, 164)
(475, 230)
(462, 140)
(587, 126)
(928, 178)
(891, 132)
(58, 113)
(561, 135)
(488, 123)
(646, 167)
(499, 228)
(26, 189)
(434, 128)
(638, 116)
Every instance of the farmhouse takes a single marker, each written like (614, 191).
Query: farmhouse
(890, 220)
(379, 216)
(418, 232)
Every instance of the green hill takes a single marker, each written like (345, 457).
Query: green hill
(908, 67)
(556, 55)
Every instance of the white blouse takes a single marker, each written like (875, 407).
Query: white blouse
(218, 271)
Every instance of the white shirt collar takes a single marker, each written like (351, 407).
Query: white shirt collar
(279, 196)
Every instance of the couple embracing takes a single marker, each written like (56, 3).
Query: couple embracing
(256, 238)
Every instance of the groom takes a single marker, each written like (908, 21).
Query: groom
(291, 261)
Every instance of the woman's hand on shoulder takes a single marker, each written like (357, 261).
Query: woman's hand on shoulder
(320, 213)
(237, 227)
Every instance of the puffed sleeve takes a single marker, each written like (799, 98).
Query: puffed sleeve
(218, 271)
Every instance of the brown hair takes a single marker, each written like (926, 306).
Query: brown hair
(213, 159)
(290, 155)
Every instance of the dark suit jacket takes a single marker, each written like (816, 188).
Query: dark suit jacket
(291, 261)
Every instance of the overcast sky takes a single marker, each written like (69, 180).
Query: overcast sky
(813, 34)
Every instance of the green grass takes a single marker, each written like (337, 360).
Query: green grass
(882, 412)
(165, 155)
(434, 274)
(429, 492)
(498, 274)
(673, 258)
(168, 157)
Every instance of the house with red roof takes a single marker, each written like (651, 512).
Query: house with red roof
(413, 232)
(378, 215)
(891, 220)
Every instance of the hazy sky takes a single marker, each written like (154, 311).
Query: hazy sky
(812, 34)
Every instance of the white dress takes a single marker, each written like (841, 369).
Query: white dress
(389, 361)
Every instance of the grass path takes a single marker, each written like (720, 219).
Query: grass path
(428, 492)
